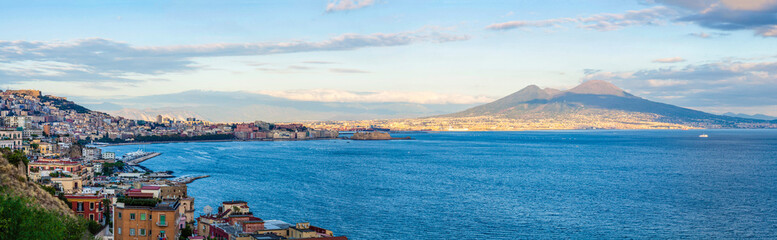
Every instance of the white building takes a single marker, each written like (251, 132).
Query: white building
(109, 155)
(91, 153)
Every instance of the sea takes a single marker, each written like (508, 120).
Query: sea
(593, 184)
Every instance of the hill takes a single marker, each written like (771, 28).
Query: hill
(63, 104)
(28, 211)
(598, 103)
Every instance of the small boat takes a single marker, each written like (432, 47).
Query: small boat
(704, 136)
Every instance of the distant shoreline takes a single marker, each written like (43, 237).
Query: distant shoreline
(314, 139)
(213, 140)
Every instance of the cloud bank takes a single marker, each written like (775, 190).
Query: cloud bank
(331, 95)
(760, 16)
(105, 60)
(725, 83)
(601, 22)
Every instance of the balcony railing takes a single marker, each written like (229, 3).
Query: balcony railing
(161, 224)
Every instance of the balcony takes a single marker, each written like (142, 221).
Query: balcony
(161, 224)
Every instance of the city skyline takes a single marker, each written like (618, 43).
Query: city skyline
(715, 56)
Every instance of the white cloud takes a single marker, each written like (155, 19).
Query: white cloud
(345, 5)
(602, 22)
(669, 60)
(665, 83)
(96, 59)
(539, 23)
(331, 95)
(724, 83)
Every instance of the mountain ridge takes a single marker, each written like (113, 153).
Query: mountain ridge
(594, 100)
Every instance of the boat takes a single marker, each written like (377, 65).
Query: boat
(704, 136)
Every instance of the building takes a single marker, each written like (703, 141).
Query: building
(235, 221)
(48, 149)
(12, 138)
(175, 191)
(145, 219)
(109, 155)
(87, 206)
(91, 153)
(17, 121)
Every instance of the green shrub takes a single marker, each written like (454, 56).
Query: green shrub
(19, 219)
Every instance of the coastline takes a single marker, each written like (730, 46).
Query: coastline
(415, 132)
(217, 140)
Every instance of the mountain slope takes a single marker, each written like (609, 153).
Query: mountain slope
(595, 102)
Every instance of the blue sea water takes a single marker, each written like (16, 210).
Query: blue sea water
(498, 185)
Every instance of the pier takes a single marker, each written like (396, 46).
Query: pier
(188, 179)
(139, 159)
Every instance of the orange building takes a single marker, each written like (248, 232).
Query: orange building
(141, 220)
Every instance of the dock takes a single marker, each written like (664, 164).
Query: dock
(188, 179)
(140, 159)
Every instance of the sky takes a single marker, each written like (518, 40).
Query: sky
(712, 55)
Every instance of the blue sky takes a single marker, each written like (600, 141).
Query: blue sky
(711, 55)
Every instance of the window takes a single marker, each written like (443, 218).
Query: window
(91, 217)
(132, 216)
(132, 232)
(91, 206)
(162, 220)
(118, 231)
(118, 214)
(143, 217)
(142, 232)
(80, 207)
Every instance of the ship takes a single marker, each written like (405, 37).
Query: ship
(704, 136)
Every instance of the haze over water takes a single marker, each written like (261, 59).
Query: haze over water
(500, 185)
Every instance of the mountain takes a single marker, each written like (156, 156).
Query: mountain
(594, 103)
(753, 116)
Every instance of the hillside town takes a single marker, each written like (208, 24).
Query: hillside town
(59, 143)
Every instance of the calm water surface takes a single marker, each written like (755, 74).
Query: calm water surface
(498, 185)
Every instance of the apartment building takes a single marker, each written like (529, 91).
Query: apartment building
(146, 219)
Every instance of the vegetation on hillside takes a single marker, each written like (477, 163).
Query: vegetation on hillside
(21, 218)
(15, 156)
(64, 104)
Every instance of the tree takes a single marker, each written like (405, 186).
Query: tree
(186, 232)
(15, 157)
